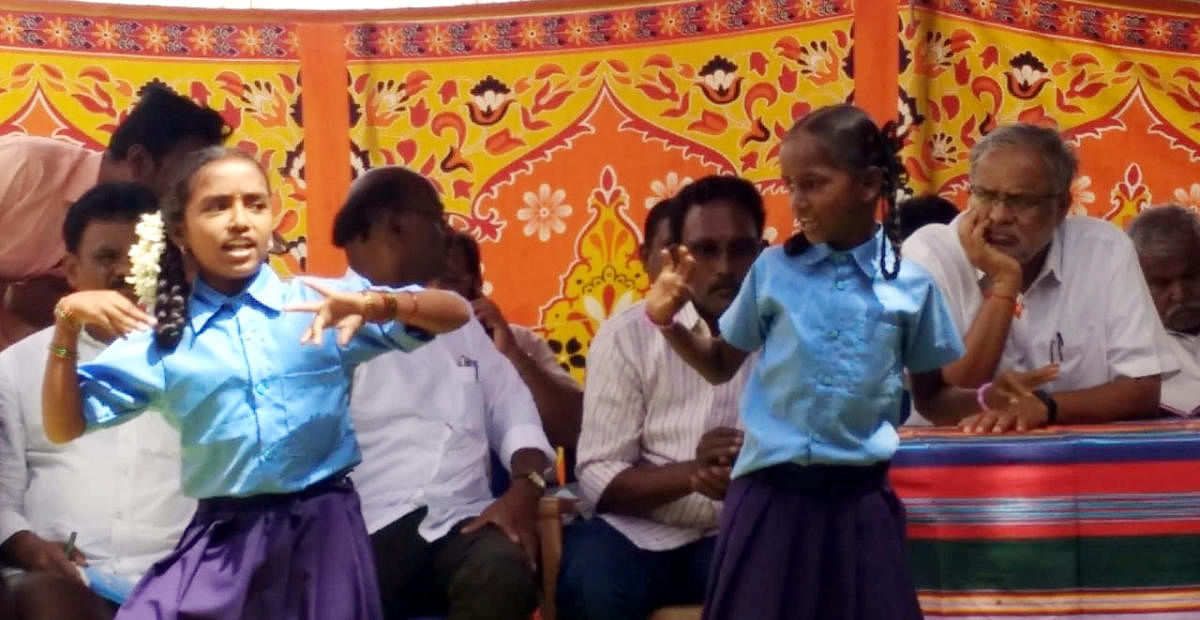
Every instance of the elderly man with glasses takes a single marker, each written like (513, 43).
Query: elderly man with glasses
(1028, 286)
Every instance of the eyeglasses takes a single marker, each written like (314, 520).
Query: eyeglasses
(1018, 203)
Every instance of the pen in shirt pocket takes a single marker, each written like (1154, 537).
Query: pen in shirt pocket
(466, 362)
(1056, 348)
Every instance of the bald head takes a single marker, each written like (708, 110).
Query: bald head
(1167, 239)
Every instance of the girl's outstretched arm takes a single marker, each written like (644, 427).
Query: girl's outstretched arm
(432, 310)
(110, 313)
(715, 360)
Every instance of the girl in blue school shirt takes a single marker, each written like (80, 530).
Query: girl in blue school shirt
(263, 421)
(810, 528)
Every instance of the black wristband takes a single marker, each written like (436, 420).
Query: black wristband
(1051, 406)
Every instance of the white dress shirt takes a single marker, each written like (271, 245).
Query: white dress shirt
(1090, 302)
(1181, 390)
(119, 489)
(644, 404)
(426, 421)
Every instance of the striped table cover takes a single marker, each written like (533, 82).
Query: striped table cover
(1081, 522)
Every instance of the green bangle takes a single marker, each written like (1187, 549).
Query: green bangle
(63, 353)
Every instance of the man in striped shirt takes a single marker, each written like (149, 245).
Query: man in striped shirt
(657, 440)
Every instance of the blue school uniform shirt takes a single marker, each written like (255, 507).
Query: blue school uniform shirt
(257, 411)
(835, 337)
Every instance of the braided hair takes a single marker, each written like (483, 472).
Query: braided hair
(174, 287)
(856, 144)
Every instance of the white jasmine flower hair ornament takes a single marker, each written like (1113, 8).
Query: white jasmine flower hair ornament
(143, 259)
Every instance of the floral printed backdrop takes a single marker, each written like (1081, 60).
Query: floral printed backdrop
(551, 132)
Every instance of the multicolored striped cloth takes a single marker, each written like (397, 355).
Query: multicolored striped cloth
(1080, 522)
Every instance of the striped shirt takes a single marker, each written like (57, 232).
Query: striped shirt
(644, 405)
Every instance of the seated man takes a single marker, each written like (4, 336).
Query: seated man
(558, 396)
(1167, 239)
(658, 441)
(426, 422)
(41, 177)
(120, 491)
(1028, 286)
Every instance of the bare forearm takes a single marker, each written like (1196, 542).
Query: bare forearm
(642, 488)
(1122, 399)
(984, 343)
(62, 405)
(714, 360)
(941, 403)
(559, 401)
(527, 460)
(433, 310)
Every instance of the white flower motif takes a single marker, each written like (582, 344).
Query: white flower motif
(719, 80)
(143, 258)
(666, 188)
(1189, 199)
(770, 234)
(489, 100)
(1081, 196)
(543, 212)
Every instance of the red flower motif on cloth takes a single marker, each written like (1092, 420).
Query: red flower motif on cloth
(1158, 32)
(490, 98)
(10, 28)
(719, 80)
(391, 40)
(935, 54)
(154, 38)
(438, 39)
(1114, 27)
(201, 39)
(716, 18)
(485, 37)
(531, 33)
(250, 41)
(624, 26)
(1068, 21)
(1189, 198)
(57, 31)
(578, 31)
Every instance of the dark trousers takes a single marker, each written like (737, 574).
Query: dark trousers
(482, 575)
(604, 576)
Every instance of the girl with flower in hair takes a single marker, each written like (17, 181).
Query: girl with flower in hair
(263, 421)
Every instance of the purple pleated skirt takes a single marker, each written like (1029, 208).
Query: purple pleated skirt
(298, 556)
(811, 543)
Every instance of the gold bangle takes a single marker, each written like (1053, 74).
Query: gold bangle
(63, 353)
(369, 313)
(390, 306)
(66, 316)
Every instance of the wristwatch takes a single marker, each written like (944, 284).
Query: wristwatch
(1051, 406)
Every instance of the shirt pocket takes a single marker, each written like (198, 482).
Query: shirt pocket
(1084, 359)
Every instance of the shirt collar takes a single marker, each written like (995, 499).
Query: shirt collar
(266, 289)
(864, 254)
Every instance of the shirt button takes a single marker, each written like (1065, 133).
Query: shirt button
(840, 285)
(260, 389)
(833, 334)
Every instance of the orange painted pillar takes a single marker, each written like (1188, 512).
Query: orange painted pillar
(326, 114)
(877, 58)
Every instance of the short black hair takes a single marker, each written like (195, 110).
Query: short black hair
(718, 188)
(162, 119)
(107, 202)
(465, 243)
(659, 213)
(378, 193)
(922, 210)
